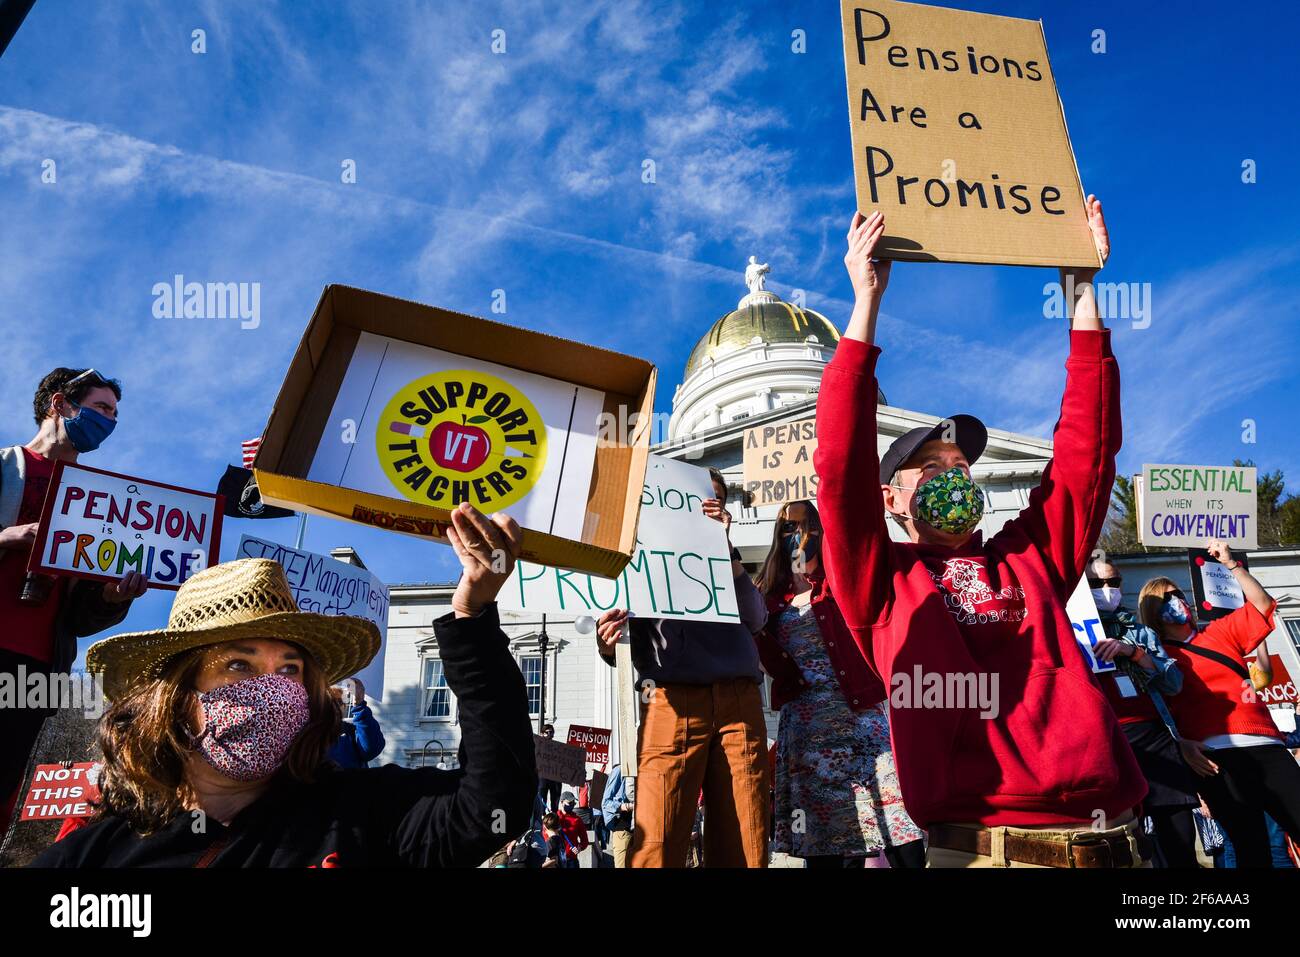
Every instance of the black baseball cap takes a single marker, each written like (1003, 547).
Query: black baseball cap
(972, 437)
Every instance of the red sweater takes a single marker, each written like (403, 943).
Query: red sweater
(1054, 753)
(1214, 699)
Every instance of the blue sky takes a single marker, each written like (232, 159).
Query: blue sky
(522, 171)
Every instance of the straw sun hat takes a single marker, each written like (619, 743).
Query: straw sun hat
(248, 598)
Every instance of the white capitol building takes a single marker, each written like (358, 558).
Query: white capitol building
(761, 362)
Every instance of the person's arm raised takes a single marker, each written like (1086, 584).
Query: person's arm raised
(1067, 510)
(458, 818)
(856, 546)
(869, 276)
(1077, 282)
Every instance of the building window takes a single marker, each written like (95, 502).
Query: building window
(531, 666)
(437, 696)
(1293, 629)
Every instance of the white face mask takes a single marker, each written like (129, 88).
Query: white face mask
(1106, 597)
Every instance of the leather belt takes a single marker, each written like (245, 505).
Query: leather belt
(1085, 850)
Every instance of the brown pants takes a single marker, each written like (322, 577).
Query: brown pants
(702, 737)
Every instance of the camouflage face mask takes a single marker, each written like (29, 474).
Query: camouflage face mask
(950, 502)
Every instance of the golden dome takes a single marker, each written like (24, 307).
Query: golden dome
(767, 317)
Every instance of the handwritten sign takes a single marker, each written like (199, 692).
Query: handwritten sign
(681, 569)
(59, 792)
(1183, 505)
(959, 137)
(1086, 622)
(102, 525)
(326, 586)
(595, 741)
(560, 762)
(778, 462)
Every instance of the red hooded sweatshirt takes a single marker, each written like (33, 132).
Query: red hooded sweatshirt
(1054, 753)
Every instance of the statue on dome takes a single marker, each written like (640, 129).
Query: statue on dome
(755, 274)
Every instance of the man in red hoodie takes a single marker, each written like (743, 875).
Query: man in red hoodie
(1033, 770)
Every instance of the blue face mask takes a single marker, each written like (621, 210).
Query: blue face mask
(811, 550)
(1174, 611)
(88, 428)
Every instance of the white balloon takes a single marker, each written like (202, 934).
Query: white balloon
(584, 624)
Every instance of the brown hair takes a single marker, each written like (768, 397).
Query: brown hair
(776, 575)
(57, 381)
(1152, 597)
(145, 739)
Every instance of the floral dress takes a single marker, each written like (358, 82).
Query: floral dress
(837, 792)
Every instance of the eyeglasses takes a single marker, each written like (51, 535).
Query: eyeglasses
(85, 375)
(1114, 582)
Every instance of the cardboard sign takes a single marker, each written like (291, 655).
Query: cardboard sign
(328, 586)
(1086, 622)
(778, 462)
(1214, 588)
(595, 741)
(959, 137)
(392, 413)
(102, 525)
(59, 792)
(560, 762)
(1183, 505)
(681, 569)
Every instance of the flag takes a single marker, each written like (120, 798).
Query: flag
(250, 447)
(242, 497)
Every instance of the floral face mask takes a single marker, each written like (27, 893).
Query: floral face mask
(950, 502)
(249, 726)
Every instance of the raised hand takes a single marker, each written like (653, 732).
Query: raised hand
(869, 277)
(131, 587)
(487, 549)
(715, 510)
(609, 628)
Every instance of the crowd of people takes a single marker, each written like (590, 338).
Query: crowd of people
(224, 744)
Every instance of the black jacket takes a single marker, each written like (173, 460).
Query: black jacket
(388, 816)
(84, 612)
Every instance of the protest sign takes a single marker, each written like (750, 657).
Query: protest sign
(1214, 588)
(959, 137)
(1282, 689)
(595, 741)
(1183, 505)
(560, 762)
(102, 525)
(327, 586)
(681, 569)
(596, 788)
(778, 462)
(59, 792)
(1086, 622)
(392, 413)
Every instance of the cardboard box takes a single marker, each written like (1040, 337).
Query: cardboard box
(347, 319)
(963, 108)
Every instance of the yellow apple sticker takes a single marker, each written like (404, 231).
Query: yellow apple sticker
(461, 436)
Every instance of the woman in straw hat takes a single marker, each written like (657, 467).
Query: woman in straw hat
(215, 744)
